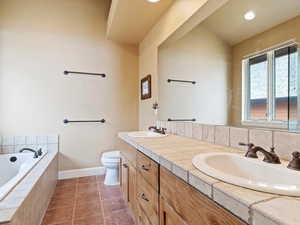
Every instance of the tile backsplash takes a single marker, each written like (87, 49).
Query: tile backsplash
(13, 144)
(284, 142)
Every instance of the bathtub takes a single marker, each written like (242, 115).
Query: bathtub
(13, 168)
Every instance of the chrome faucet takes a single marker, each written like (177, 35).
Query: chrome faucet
(269, 157)
(157, 130)
(36, 153)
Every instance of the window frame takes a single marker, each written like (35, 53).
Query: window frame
(270, 121)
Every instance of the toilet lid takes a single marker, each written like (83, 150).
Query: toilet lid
(112, 155)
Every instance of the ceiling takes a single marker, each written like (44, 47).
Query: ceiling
(229, 23)
(130, 20)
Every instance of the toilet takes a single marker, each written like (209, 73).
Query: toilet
(111, 160)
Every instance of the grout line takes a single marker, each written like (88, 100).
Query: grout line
(75, 200)
(251, 210)
(261, 201)
(101, 202)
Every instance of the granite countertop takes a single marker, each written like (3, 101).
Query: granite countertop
(175, 153)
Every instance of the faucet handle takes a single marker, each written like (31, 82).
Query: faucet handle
(40, 152)
(272, 150)
(250, 145)
(296, 155)
(295, 162)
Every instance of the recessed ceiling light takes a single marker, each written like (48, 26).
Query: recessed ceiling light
(250, 15)
(153, 1)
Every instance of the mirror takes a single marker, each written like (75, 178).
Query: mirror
(238, 67)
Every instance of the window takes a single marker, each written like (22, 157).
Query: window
(269, 87)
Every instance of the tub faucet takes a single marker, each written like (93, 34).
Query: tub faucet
(36, 154)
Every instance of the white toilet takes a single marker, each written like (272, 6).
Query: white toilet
(110, 161)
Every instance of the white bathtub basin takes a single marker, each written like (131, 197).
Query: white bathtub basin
(12, 172)
(249, 173)
(145, 134)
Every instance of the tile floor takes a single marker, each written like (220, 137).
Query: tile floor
(87, 201)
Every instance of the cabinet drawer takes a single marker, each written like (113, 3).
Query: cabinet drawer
(147, 199)
(192, 206)
(148, 169)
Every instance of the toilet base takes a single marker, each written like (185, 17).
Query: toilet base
(111, 177)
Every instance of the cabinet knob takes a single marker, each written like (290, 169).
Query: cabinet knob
(125, 165)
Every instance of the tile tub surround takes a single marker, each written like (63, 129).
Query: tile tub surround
(28, 201)
(13, 144)
(176, 153)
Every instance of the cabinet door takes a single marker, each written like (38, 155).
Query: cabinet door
(124, 179)
(142, 219)
(168, 216)
(132, 197)
(194, 207)
(148, 199)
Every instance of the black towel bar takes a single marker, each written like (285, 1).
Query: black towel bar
(183, 120)
(84, 121)
(181, 81)
(66, 72)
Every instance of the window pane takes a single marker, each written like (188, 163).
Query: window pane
(281, 95)
(281, 87)
(258, 79)
(293, 110)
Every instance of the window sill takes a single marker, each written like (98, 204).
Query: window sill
(266, 124)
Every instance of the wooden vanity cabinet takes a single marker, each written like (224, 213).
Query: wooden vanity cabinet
(181, 202)
(157, 197)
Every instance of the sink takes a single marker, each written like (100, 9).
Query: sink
(249, 173)
(145, 134)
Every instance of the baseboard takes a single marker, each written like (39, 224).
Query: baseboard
(67, 174)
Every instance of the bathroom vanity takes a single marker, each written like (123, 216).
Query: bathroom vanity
(158, 197)
(163, 187)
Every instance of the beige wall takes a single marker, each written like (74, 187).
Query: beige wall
(205, 58)
(281, 33)
(178, 20)
(41, 39)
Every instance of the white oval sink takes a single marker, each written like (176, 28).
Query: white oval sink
(145, 134)
(249, 173)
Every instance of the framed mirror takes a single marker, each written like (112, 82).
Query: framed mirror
(244, 60)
